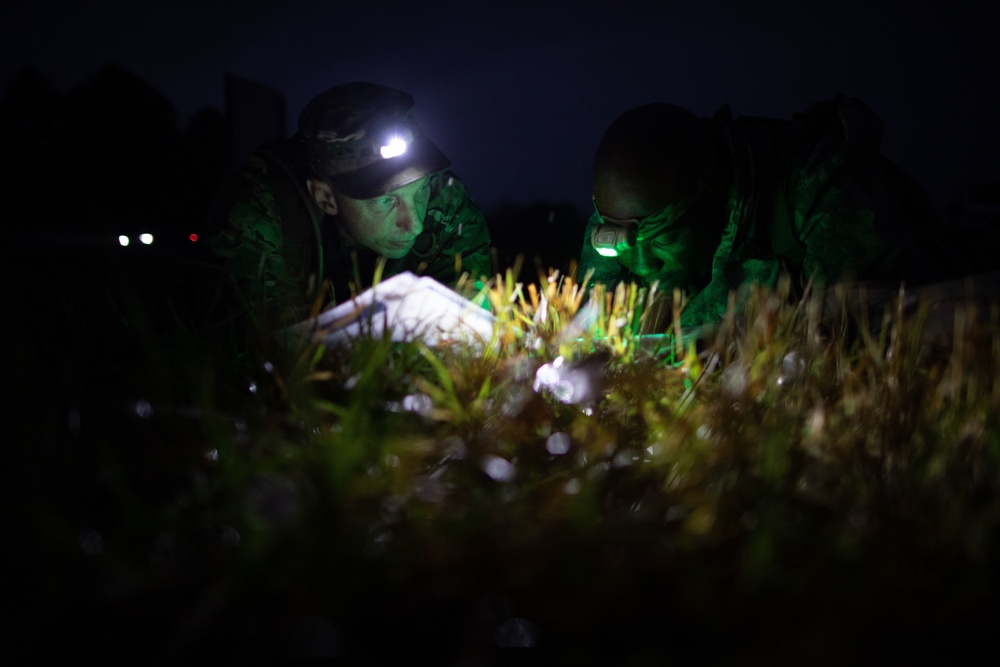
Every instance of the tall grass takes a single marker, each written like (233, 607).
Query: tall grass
(784, 487)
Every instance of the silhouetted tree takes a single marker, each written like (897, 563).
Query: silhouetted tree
(118, 153)
(105, 157)
(82, 166)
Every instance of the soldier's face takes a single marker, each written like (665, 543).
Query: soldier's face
(388, 224)
(675, 255)
(670, 257)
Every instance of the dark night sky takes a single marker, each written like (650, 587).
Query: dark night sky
(518, 93)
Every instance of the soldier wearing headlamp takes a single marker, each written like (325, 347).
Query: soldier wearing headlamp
(711, 205)
(306, 218)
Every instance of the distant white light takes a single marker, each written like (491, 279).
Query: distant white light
(146, 238)
(123, 240)
(396, 146)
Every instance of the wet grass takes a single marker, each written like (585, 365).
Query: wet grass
(786, 489)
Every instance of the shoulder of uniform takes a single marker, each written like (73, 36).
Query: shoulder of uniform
(446, 178)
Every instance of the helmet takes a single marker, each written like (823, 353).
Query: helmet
(362, 138)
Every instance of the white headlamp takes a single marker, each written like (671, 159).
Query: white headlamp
(394, 147)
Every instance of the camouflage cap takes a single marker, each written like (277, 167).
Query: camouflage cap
(363, 139)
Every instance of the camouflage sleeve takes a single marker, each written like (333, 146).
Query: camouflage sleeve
(606, 270)
(266, 259)
(839, 235)
(455, 239)
(850, 222)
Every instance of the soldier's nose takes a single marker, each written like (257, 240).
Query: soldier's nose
(408, 220)
(641, 262)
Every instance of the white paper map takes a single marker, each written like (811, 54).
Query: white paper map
(403, 308)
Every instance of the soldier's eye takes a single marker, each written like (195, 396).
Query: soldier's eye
(663, 240)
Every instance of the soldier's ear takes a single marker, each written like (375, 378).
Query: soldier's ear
(323, 195)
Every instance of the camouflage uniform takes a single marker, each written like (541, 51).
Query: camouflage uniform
(813, 198)
(279, 247)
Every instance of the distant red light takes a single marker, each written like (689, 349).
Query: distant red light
(193, 237)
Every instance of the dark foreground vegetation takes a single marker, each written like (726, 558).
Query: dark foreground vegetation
(782, 493)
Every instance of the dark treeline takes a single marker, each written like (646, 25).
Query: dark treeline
(82, 166)
(106, 157)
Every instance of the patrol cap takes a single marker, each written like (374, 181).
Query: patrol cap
(362, 138)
